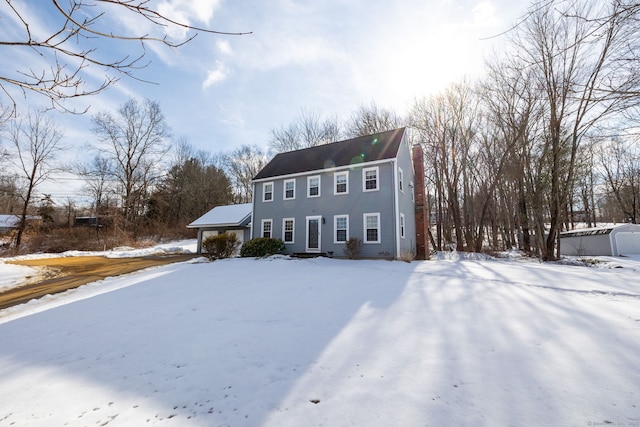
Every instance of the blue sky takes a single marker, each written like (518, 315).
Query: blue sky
(328, 57)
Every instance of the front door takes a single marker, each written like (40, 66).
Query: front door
(313, 233)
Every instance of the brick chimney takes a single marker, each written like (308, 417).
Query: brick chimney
(422, 251)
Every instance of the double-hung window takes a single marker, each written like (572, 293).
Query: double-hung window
(267, 227)
(267, 191)
(400, 180)
(402, 226)
(341, 182)
(289, 189)
(313, 186)
(371, 228)
(370, 179)
(341, 227)
(288, 230)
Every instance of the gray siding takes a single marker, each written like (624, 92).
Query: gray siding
(355, 204)
(406, 203)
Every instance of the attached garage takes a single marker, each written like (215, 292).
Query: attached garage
(617, 240)
(234, 219)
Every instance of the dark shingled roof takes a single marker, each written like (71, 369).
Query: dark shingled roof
(362, 149)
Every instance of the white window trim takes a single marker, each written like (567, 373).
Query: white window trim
(364, 226)
(402, 226)
(335, 182)
(264, 192)
(262, 224)
(401, 180)
(284, 189)
(364, 179)
(335, 229)
(293, 231)
(413, 190)
(309, 178)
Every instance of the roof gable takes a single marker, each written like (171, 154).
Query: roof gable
(230, 215)
(370, 148)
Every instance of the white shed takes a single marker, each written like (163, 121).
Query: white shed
(615, 240)
(224, 219)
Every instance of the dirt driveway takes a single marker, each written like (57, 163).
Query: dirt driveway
(60, 274)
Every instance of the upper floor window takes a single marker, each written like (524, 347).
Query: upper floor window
(267, 226)
(412, 191)
(267, 191)
(313, 186)
(400, 180)
(341, 227)
(287, 230)
(371, 228)
(341, 182)
(289, 189)
(370, 179)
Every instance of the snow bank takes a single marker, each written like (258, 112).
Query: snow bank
(13, 275)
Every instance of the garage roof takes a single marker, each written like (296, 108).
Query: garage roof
(229, 215)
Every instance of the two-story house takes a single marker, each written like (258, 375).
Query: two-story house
(315, 199)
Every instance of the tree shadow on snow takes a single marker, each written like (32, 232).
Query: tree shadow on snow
(200, 344)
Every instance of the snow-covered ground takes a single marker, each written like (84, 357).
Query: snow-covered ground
(326, 342)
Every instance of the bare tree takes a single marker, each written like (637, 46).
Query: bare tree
(36, 142)
(67, 45)
(308, 130)
(620, 163)
(134, 142)
(447, 124)
(98, 175)
(371, 119)
(242, 164)
(575, 58)
(511, 103)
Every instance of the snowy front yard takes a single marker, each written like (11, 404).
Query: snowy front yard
(323, 342)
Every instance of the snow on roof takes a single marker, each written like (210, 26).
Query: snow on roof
(9, 220)
(224, 215)
(595, 231)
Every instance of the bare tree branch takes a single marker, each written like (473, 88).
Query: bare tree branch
(70, 48)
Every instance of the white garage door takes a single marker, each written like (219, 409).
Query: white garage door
(628, 243)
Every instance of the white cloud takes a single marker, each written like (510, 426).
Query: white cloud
(187, 12)
(224, 47)
(190, 10)
(215, 76)
(485, 15)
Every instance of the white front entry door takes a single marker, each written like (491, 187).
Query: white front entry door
(314, 224)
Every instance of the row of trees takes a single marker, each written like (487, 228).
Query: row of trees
(550, 130)
(137, 177)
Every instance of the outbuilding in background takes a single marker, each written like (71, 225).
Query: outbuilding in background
(615, 240)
